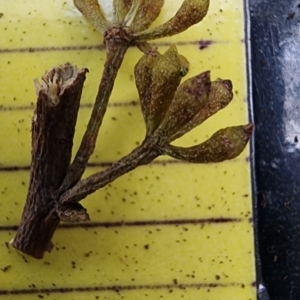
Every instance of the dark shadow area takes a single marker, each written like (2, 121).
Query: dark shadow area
(275, 65)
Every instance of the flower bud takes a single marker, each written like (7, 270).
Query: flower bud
(220, 96)
(120, 10)
(225, 144)
(92, 11)
(143, 13)
(157, 80)
(143, 78)
(190, 97)
(190, 13)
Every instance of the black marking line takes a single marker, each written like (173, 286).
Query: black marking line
(199, 43)
(14, 168)
(176, 222)
(51, 49)
(119, 288)
(90, 165)
(106, 164)
(87, 105)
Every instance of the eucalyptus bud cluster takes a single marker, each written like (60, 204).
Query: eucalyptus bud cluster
(171, 109)
(138, 15)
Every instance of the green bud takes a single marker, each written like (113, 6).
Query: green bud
(92, 11)
(190, 13)
(220, 96)
(225, 144)
(189, 99)
(157, 80)
(120, 10)
(166, 76)
(143, 79)
(143, 13)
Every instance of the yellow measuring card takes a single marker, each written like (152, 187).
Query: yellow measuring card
(169, 230)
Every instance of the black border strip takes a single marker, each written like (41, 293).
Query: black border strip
(258, 269)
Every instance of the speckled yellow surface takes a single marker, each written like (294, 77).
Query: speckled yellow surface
(169, 245)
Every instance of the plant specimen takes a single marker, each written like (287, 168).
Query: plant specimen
(170, 109)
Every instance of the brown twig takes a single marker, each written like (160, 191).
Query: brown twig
(98, 180)
(117, 41)
(53, 128)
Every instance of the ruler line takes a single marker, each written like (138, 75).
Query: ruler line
(202, 44)
(121, 288)
(139, 223)
(4, 169)
(87, 105)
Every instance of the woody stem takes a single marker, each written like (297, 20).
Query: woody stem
(117, 41)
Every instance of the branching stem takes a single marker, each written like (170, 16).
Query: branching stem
(98, 180)
(117, 42)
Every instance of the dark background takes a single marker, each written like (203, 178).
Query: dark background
(275, 65)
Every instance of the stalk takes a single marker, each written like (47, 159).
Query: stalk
(137, 157)
(117, 42)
